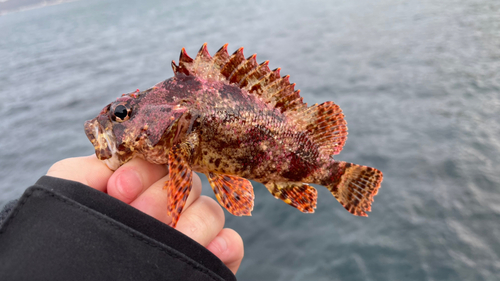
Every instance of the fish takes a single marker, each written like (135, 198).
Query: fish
(234, 120)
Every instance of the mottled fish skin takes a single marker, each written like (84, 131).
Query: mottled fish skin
(234, 120)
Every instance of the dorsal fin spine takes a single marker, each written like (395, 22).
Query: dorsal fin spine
(270, 77)
(203, 54)
(277, 71)
(276, 86)
(221, 57)
(296, 101)
(174, 67)
(253, 77)
(184, 57)
(234, 61)
(243, 69)
(184, 62)
(272, 84)
(240, 66)
(283, 92)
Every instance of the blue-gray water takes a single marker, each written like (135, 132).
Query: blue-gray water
(418, 81)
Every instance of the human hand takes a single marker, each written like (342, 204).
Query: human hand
(140, 184)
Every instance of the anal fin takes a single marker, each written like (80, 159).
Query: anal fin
(299, 195)
(234, 193)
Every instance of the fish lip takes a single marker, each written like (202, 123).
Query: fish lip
(104, 143)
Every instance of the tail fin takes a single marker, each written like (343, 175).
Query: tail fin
(354, 186)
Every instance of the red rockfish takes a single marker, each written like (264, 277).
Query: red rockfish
(233, 119)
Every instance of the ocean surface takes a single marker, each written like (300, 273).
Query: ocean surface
(418, 81)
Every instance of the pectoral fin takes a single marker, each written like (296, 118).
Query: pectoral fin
(299, 195)
(234, 193)
(180, 182)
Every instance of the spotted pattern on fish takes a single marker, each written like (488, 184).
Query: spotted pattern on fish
(234, 119)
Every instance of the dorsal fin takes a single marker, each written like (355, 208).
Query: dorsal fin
(324, 122)
(327, 126)
(246, 73)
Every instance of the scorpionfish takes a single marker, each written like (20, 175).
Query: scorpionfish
(233, 119)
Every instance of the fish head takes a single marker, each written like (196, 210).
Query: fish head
(132, 127)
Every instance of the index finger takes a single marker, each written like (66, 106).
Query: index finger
(87, 170)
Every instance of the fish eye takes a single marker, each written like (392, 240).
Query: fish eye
(121, 113)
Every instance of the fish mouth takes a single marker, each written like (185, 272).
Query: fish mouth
(104, 143)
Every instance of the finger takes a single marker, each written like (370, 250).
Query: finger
(202, 221)
(228, 247)
(154, 200)
(87, 170)
(133, 178)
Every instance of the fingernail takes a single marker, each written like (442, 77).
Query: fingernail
(219, 244)
(129, 184)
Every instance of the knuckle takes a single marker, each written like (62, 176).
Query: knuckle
(59, 166)
(209, 216)
(237, 243)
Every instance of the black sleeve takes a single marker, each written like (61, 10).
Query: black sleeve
(64, 230)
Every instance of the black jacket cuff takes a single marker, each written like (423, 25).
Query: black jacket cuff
(64, 230)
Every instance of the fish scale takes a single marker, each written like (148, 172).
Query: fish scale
(234, 119)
